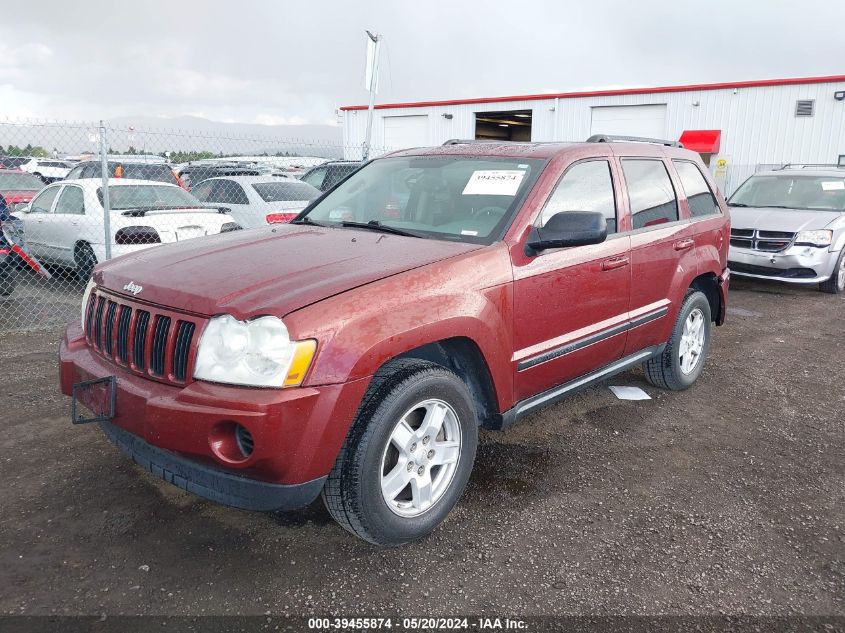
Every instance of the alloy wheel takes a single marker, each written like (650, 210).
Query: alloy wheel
(420, 458)
(692, 341)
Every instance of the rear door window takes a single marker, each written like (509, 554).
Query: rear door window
(650, 192)
(71, 202)
(228, 192)
(700, 198)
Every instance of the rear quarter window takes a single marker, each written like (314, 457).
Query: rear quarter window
(699, 197)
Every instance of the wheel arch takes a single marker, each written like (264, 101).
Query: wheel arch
(708, 284)
(462, 356)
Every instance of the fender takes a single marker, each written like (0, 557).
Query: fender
(359, 330)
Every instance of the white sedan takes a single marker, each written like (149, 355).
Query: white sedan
(257, 200)
(64, 224)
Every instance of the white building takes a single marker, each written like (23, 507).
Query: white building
(737, 127)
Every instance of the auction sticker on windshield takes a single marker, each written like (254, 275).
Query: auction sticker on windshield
(494, 182)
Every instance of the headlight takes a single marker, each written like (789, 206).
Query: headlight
(85, 296)
(258, 353)
(813, 238)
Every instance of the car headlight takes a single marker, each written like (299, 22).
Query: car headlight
(257, 353)
(814, 238)
(85, 296)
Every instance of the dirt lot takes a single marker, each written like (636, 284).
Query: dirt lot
(727, 498)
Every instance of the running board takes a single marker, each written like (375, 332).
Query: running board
(556, 394)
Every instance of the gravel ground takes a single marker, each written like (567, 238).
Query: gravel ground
(727, 498)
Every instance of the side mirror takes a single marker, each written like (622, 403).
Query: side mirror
(568, 228)
(22, 208)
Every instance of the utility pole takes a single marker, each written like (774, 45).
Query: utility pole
(373, 47)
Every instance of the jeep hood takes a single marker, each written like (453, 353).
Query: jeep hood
(772, 219)
(272, 270)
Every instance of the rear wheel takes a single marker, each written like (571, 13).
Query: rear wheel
(682, 362)
(836, 284)
(85, 260)
(407, 457)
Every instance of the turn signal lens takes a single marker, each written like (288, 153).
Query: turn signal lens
(302, 357)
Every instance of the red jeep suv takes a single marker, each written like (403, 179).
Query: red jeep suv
(354, 353)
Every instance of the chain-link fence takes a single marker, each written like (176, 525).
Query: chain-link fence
(75, 194)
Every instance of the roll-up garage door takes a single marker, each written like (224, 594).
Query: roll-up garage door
(630, 120)
(405, 131)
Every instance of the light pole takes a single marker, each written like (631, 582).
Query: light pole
(373, 46)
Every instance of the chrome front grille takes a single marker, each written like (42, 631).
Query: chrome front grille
(153, 342)
(765, 241)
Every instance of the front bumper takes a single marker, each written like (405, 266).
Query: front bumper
(184, 433)
(210, 483)
(796, 264)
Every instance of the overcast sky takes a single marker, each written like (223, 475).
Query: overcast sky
(273, 62)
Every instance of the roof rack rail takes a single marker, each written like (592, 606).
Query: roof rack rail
(614, 138)
(470, 141)
(811, 166)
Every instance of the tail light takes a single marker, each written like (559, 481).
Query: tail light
(280, 218)
(137, 235)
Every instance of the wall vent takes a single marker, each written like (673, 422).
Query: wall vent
(804, 107)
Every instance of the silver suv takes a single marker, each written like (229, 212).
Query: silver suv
(788, 224)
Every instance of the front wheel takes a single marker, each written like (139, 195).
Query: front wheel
(836, 284)
(407, 457)
(682, 362)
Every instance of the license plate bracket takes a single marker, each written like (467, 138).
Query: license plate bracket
(98, 396)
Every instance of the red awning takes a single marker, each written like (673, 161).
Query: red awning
(702, 141)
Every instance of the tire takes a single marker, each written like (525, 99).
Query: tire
(668, 370)
(836, 284)
(358, 493)
(85, 260)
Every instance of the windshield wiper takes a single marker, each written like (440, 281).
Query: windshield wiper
(307, 220)
(375, 225)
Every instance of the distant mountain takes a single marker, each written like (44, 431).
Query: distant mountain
(186, 133)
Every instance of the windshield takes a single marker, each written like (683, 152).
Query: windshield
(811, 193)
(20, 182)
(462, 198)
(285, 191)
(148, 197)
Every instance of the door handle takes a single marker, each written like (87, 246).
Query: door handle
(682, 245)
(613, 264)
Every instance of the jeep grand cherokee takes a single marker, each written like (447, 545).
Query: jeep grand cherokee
(354, 353)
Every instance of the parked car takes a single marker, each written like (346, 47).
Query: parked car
(47, 169)
(192, 174)
(257, 200)
(355, 352)
(8, 259)
(13, 162)
(327, 175)
(64, 224)
(18, 187)
(160, 172)
(789, 225)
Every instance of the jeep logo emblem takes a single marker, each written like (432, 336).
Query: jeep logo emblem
(133, 288)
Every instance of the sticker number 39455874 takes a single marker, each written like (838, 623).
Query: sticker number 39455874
(494, 182)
